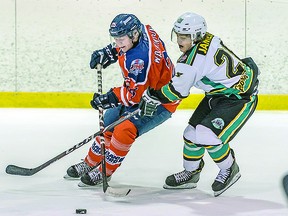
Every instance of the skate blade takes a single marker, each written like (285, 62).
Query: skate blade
(183, 186)
(67, 177)
(235, 179)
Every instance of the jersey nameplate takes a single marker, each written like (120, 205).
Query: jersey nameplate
(204, 45)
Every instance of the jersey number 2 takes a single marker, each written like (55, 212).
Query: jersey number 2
(221, 56)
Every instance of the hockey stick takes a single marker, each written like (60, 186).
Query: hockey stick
(116, 192)
(16, 170)
(101, 125)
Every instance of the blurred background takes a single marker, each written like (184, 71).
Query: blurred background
(45, 46)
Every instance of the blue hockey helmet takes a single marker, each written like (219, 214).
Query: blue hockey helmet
(124, 24)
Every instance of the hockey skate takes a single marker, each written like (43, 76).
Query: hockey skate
(92, 178)
(77, 170)
(225, 179)
(185, 179)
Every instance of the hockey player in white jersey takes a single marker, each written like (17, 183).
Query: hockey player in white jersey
(230, 86)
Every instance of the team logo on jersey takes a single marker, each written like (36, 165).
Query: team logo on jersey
(136, 67)
(178, 74)
(218, 123)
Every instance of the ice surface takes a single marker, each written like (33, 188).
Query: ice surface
(30, 137)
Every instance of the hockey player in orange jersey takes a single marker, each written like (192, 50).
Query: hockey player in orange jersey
(144, 63)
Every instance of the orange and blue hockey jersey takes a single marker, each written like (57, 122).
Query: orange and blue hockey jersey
(145, 65)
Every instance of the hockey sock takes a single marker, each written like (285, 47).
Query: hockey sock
(221, 155)
(192, 155)
(94, 156)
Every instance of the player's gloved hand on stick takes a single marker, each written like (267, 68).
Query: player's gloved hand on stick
(148, 104)
(105, 101)
(105, 57)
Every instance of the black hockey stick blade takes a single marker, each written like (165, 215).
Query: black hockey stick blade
(17, 170)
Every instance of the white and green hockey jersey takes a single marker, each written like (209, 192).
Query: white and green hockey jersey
(212, 67)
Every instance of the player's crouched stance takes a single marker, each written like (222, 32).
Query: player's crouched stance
(144, 62)
(230, 86)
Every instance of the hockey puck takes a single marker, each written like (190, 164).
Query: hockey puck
(81, 211)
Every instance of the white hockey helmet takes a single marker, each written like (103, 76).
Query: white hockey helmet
(191, 24)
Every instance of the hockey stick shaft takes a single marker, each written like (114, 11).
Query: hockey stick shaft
(101, 125)
(115, 192)
(16, 170)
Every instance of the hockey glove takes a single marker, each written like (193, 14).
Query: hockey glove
(105, 57)
(148, 104)
(105, 101)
